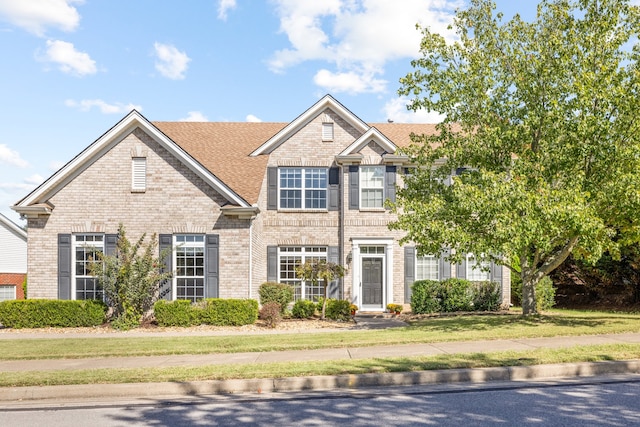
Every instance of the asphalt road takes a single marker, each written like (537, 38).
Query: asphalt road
(600, 401)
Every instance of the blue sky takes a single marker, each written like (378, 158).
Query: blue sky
(73, 68)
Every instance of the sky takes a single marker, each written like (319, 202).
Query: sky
(71, 69)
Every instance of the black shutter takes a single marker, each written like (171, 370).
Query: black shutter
(409, 271)
(334, 291)
(166, 250)
(272, 188)
(110, 244)
(445, 266)
(461, 269)
(212, 264)
(334, 189)
(272, 263)
(496, 273)
(390, 183)
(354, 187)
(64, 266)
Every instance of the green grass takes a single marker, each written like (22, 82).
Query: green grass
(290, 369)
(434, 329)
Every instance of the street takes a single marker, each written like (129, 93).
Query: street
(602, 401)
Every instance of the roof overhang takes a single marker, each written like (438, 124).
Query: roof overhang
(372, 134)
(240, 212)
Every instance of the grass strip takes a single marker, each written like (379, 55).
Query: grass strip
(340, 367)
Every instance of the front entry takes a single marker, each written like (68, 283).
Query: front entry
(372, 281)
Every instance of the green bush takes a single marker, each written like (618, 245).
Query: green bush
(425, 297)
(338, 309)
(303, 309)
(456, 295)
(173, 313)
(276, 292)
(40, 313)
(270, 313)
(486, 296)
(545, 294)
(227, 312)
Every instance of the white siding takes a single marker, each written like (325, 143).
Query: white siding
(13, 249)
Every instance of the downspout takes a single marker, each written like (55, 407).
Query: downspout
(250, 257)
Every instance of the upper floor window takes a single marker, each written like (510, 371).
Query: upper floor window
(87, 248)
(372, 186)
(477, 271)
(427, 268)
(303, 188)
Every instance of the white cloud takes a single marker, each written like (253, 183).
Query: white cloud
(54, 165)
(358, 36)
(396, 110)
(252, 119)
(34, 179)
(11, 157)
(171, 63)
(88, 104)
(36, 15)
(69, 60)
(225, 6)
(194, 116)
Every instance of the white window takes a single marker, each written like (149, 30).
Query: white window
(327, 131)
(189, 280)
(303, 188)
(371, 186)
(291, 257)
(427, 268)
(138, 174)
(7, 292)
(477, 271)
(86, 250)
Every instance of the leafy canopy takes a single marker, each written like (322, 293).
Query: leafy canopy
(544, 115)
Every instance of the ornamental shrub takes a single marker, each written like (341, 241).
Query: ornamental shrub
(303, 309)
(425, 297)
(545, 294)
(226, 312)
(40, 313)
(338, 309)
(271, 314)
(276, 292)
(456, 295)
(173, 313)
(486, 296)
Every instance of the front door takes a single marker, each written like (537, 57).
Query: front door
(372, 281)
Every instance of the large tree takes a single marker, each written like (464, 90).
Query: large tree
(543, 117)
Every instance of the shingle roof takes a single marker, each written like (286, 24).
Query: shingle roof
(224, 147)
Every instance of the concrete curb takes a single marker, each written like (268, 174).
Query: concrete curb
(270, 385)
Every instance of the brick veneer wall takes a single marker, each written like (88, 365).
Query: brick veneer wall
(15, 279)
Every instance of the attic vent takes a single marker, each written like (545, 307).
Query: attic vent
(138, 174)
(327, 131)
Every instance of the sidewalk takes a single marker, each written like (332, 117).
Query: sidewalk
(324, 382)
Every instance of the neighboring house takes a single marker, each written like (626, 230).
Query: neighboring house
(13, 259)
(240, 204)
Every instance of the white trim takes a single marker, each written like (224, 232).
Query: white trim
(372, 134)
(387, 285)
(13, 227)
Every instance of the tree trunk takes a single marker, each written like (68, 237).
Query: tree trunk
(324, 302)
(529, 301)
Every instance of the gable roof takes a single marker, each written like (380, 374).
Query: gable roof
(371, 134)
(13, 227)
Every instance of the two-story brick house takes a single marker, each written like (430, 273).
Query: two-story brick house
(240, 204)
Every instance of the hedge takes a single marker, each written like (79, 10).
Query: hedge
(430, 296)
(42, 313)
(211, 311)
(281, 293)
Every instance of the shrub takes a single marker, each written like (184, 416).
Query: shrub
(486, 296)
(226, 312)
(303, 309)
(276, 292)
(545, 294)
(425, 297)
(40, 313)
(338, 309)
(173, 313)
(271, 314)
(456, 295)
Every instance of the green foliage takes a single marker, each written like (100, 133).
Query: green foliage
(303, 309)
(173, 313)
(210, 311)
(320, 271)
(432, 296)
(24, 287)
(130, 278)
(276, 292)
(544, 115)
(425, 297)
(40, 313)
(394, 308)
(486, 296)
(456, 295)
(338, 309)
(546, 294)
(271, 313)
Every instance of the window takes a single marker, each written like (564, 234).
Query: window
(291, 257)
(477, 271)
(87, 248)
(327, 131)
(303, 188)
(372, 186)
(189, 279)
(7, 292)
(427, 268)
(138, 174)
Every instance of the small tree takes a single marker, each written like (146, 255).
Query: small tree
(320, 270)
(130, 279)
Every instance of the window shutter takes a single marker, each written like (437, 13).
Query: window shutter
(496, 273)
(445, 266)
(166, 246)
(272, 188)
(409, 271)
(333, 255)
(64, 266)
(354, 187)
(212, 264)
(461, 269)
(327, 131)
(110, 244)
(390, 183)
(138, 174)
(334, 189)
(272, 263)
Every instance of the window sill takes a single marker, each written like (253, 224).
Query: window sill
(373, 210)
(303, 210)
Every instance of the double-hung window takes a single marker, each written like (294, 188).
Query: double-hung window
(7, 292)
(291, 257)
(477, 271)
(372, 186)
(303, 188)
(87, 248)
(427, 268)
(189, 278)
